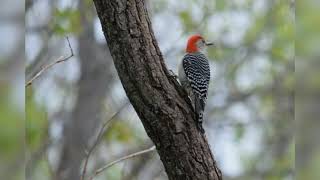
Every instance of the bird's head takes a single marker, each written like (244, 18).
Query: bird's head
(196, 43)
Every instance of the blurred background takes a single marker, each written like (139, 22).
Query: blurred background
(12, 104)
(249, 119)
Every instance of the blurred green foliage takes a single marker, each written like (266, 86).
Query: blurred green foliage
(36, 122)
(12, 126)
(119, 131)
(307, 28)
(307, 89)
(66, 21)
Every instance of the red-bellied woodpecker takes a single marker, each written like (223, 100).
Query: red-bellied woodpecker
(194, 75)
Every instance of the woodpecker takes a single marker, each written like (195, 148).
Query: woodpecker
(194, 75)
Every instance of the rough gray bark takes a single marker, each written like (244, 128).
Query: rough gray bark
(93, 85)
(167, 117)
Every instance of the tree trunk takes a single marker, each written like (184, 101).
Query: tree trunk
(167, 116)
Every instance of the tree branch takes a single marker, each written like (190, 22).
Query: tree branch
(97, 172)
(45, 68)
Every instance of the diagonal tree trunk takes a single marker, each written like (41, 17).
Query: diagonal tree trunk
(166, 115)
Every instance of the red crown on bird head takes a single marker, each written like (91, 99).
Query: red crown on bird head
(192, 43)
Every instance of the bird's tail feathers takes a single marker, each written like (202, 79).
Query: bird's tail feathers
(199, 108)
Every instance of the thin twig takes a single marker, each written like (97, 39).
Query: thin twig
(59, 60)
(99, 137)
(122, 159)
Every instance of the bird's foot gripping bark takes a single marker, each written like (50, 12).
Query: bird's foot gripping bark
(200, 126)
(172, 74)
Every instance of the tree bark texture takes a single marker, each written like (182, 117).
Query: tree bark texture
(165, 112)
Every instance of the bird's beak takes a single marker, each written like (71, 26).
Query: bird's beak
(209, 43)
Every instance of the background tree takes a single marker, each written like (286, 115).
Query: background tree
(87, 113)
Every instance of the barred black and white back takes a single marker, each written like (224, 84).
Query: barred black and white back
(194, 74)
